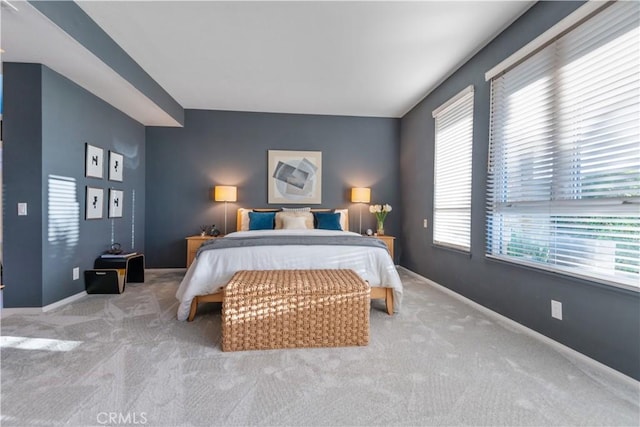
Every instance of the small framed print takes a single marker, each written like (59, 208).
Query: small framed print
(116, 199)
(116, 166)
(93, 163)
(94, 202)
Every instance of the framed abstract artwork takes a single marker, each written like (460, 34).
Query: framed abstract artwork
(295, 177)
(116, 199)
(116, 166)
(93, 162)
(94, 203)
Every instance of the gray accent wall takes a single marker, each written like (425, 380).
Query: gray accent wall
(22, 182)
(231, 148)
(48, 119)
(600, 321)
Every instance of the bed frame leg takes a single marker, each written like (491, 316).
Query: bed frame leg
(194, 308)
(389, 301)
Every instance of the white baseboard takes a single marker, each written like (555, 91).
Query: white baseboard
(534, 334)
(37, 310)
(64, 301)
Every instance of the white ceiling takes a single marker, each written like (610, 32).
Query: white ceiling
(27, 36)
(339, 58)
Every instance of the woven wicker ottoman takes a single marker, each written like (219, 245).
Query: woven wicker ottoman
(270, 309)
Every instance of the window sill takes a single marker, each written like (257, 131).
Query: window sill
(453, 249)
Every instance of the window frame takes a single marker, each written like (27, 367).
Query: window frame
(562, 210)
(461, 103)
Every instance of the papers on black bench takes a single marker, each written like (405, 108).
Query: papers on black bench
(122, 255)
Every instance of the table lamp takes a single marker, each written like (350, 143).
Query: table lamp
(360, 195)
(225, 193)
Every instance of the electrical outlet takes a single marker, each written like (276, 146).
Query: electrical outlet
(556, 309)
(425, 223)
(22, 209)
(76, 273)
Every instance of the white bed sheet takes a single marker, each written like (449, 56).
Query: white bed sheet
(214, 268)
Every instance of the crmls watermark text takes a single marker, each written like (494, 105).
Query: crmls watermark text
(119, 418)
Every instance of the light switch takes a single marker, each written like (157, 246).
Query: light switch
(22, 209)
(556, 309)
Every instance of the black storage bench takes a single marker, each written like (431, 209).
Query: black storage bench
(110, 274)
(104, 281)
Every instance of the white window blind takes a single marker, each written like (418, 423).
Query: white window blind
(452, 189)
(564, 155)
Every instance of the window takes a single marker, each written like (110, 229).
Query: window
(564, 156)
(452, 189)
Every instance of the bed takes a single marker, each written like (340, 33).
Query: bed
(304, 249)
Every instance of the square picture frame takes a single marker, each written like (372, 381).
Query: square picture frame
(94, 201)
(294, 177)
(94, 161)
(116, 200)
(116, 166)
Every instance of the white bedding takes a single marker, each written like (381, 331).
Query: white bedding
(214, 268)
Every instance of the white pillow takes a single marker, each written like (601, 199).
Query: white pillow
(294, 223)
(296, 209)
(343, 218)
(308, 216)
(244, 219)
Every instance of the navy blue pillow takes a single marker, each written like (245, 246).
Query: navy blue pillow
(328, 221)
(262, 220)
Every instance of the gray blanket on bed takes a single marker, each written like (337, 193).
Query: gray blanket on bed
(244, 242)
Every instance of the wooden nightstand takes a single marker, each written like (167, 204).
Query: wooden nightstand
(390, 242)
(193, 244)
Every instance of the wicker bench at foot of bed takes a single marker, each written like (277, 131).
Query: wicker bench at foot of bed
(271, 309)
(385, 294)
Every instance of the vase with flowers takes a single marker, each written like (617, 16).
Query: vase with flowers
(381, 212)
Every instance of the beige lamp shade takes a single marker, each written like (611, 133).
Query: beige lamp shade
(360, 195)
(225, 193)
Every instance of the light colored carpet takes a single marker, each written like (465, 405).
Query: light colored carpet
(125, 360)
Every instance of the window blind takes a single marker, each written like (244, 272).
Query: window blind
(452, 189)
(564, 154)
